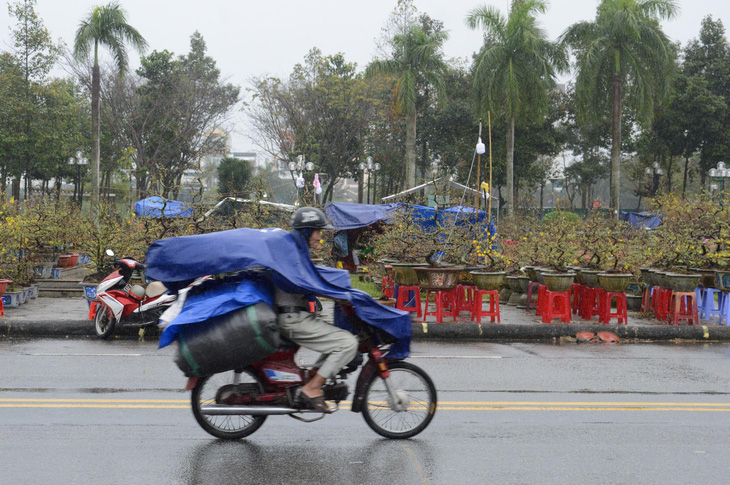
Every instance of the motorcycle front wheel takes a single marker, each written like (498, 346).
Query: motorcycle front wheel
(414, 407)
(104, 322)
(210, 391)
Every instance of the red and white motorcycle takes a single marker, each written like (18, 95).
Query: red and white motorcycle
(120, 302)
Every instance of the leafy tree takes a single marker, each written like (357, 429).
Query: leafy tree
(234, 175)
(103, 26)
(417, 63)
(168, 114)
(35, 54)
(323, 112)
(514, 70)
(622, 56)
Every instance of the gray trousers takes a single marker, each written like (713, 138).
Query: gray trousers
(338, 346)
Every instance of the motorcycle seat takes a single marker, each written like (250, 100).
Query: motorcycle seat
(156, 288)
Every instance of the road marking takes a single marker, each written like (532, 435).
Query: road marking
(443, 406)
(85, 355)
(455, 357)
(416, 463)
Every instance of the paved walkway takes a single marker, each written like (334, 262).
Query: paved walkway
(54, 317)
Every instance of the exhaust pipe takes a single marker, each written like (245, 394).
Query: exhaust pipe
(225, 410)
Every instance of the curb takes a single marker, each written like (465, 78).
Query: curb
(422, 331)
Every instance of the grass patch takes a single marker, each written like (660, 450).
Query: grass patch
(367, 286)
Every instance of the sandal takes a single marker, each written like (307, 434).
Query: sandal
(315, 403)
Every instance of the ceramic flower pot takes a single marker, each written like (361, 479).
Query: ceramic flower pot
(558, 281)
(707, 278)
(614, 282)
(660, 278)
(404, 274)
(531, 273)
(722, 280)
(465, 275)
(683, 282)
(590, 277)
(430, 278)
(489, 281)
(524, 283)
(385, 261)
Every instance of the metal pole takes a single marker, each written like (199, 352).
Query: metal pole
(479, 175)
(369, 175)
(491, 189)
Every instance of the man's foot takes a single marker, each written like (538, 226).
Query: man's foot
(316, 403)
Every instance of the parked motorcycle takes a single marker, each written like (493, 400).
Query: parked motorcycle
(126, 304)
(396, 398)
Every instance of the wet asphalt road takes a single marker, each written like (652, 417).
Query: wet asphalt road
(84, 411)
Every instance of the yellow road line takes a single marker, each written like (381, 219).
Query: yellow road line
(443, 406)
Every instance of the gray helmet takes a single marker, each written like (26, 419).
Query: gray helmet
(310, 218)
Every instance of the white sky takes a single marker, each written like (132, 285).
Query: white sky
(248, 38)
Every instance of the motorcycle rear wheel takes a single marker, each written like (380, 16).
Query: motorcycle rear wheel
(104, 322)
(208, 391)
(418, 398)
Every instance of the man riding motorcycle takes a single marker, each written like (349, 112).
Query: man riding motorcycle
(305, 328)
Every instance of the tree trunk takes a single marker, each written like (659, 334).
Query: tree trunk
(615, 180)
(684, 179)
(95, 133)
(669, 174)
(509, 203)
(411, 149)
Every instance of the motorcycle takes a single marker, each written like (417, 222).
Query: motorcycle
(396, 398)
(126, 304)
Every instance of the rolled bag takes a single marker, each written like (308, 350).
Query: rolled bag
(226, 342)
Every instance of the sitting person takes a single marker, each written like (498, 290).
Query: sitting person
(305, 328)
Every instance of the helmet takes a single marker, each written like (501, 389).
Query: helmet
(310, 218)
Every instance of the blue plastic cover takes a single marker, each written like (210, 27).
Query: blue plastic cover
(346, 215)
(177, 261)
(647, 220)
(152, 207)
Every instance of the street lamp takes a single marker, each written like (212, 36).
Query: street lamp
(299, 166)
(655, 171)
(721, 172)
(368, 168)
(78, 161)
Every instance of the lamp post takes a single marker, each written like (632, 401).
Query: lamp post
(655, 171)
(721, 173)
(78, 161)
(132, 168)
(299, 166)
(368, 168)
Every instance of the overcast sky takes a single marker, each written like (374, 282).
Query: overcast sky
(253, 38)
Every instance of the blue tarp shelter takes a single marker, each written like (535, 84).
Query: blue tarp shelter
(153, 207)
(346, 216)
(647, 220)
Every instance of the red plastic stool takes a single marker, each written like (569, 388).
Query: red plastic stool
(646, 298)
(463, 298)
(683, 306)
(478, 312)
(541, 300)
(663, 303)
(591, 303)
(387, 287)
(441, 298)
(557, 305)
(404, 297)
(606, 307)
(576, 289)
(2, 308)
(529, 305)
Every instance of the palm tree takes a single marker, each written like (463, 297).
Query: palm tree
(107, 26)
(514, 70)
(416, 64)
(622, 54)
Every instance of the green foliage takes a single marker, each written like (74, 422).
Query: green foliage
(233, 176)
(560, 215)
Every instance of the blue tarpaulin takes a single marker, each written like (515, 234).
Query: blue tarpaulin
(648, 220)
(345, 216)
(285, 259)
(153, 206)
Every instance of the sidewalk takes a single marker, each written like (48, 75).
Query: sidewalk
(68, 317)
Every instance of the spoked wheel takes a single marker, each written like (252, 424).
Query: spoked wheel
(212, 391)
(415, 406)
(104, 322)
